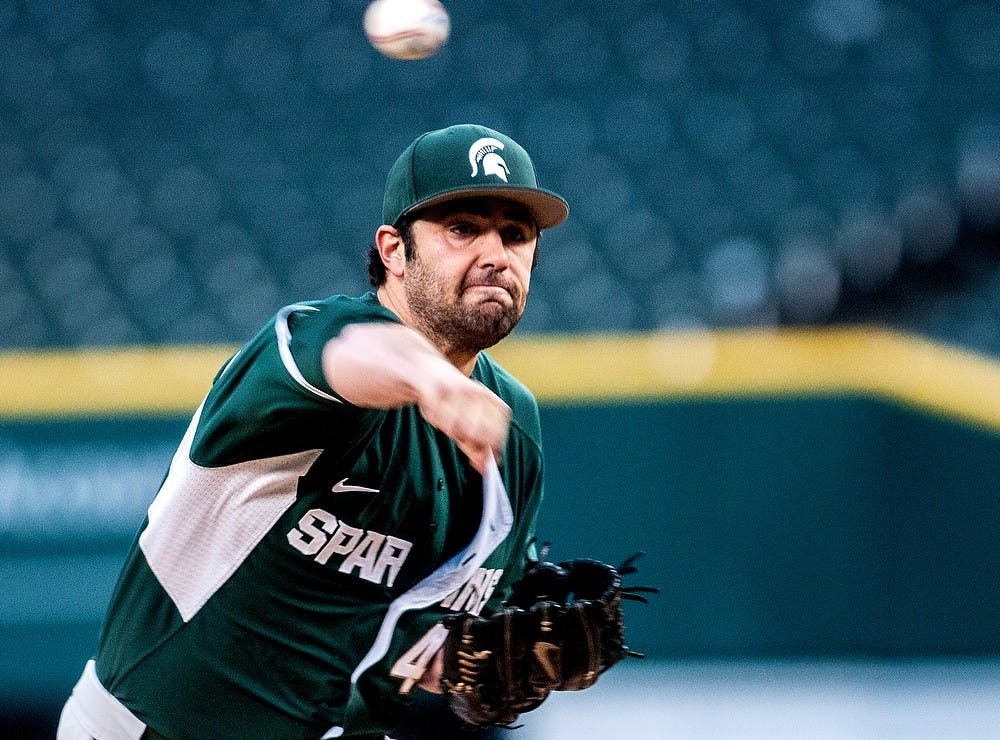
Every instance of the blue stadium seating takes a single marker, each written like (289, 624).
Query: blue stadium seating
(174, 172)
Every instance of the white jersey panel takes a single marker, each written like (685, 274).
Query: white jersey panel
(204, 522)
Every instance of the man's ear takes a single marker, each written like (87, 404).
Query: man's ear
(390, 249)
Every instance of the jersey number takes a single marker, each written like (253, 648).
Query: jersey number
(413, 663)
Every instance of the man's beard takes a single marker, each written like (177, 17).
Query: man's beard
(448, 321)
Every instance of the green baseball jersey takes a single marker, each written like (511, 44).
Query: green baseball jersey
(288, 525)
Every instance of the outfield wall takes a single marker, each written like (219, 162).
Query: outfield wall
(798, 493)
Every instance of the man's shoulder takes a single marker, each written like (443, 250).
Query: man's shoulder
(514, 393)
(496, 377)
(328, 315)
(363, 305)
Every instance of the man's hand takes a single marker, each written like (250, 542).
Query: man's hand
(468, 412)
(560, 630)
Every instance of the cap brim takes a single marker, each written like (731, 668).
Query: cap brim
(547, 208)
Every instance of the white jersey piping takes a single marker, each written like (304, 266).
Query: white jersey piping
(495, 525)
(284, 334)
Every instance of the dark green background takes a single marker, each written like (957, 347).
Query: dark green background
(792, 527)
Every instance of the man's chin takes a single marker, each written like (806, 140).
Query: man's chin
(494, 322)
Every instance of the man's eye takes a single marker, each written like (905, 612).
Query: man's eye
(514, 235)
(463, 227)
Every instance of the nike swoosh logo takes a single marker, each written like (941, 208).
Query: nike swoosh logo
(344, 487)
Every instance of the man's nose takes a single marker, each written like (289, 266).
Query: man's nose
(494, 253)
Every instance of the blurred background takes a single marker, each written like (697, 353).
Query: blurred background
(171, 173)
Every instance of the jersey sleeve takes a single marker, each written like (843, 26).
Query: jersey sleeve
(302, 330)
(275, 386)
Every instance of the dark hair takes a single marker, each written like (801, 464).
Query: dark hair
(376, 269)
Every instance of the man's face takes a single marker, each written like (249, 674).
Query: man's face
(467, 280)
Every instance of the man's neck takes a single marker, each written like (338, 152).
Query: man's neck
(395, 301)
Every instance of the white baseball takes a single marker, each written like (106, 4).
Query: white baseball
(406, 29)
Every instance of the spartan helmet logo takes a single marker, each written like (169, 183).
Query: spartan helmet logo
(484, 151)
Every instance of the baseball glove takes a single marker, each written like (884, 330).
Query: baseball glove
(560, 630)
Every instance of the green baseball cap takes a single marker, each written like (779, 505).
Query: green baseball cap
(462, 161)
